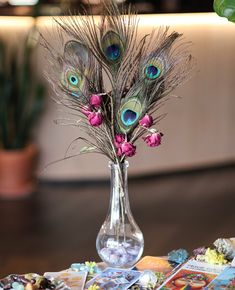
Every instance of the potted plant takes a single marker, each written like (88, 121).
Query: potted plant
(225, 8)
(21, 100)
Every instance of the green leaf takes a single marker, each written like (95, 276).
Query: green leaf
(225, 8)
(87, 149)
(21, 94)
(30, 117)
(2, 58)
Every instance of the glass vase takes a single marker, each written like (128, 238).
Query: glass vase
(120, 242)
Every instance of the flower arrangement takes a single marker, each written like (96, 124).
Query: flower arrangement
(141, 73)
(114, 115)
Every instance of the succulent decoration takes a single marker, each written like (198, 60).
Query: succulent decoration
(21, 94)
(141, 73)
(225, 8)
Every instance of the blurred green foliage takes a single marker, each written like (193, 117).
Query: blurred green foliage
(21, 94)
(225, 8)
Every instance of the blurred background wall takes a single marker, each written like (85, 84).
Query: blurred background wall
(198, 130)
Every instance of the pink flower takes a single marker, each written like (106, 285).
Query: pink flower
(119, 151)
(124, 147)
(95, 100)
(86, 110)
(146, 121)
(119, 139)
(154, 139)
(95, 119)
(127, 149)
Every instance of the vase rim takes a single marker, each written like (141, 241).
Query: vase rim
(115, 165)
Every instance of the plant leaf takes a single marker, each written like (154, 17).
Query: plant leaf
(225, 8)
(87, 149)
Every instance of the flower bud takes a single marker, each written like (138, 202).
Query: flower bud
(95, 119)
(154, 139)
(146, 121)
(95, 100)
(127, 149)
(119, 139)
(86, 110)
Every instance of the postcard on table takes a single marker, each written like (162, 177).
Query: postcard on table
(226, 280)
(75, 280)
(156, 264)
(192, 275)
(115, 279)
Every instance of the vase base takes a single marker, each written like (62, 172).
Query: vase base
(121, 255)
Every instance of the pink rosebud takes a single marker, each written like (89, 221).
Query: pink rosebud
(146, 121)
(119, 139)
(95, 100)
(127, 149)
(86, 110)
(119, 151)
(95, 119)
(154, 139)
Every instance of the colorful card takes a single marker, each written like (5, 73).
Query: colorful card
(192, 275)
(115, 279)
(75, 280)
(226, 280)
(156, 264)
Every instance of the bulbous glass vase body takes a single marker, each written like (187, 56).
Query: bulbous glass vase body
(120, 242)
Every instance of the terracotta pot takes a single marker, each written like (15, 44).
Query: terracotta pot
(17, 172)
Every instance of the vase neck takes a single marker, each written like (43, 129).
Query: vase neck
(119, 200)
(119, 176)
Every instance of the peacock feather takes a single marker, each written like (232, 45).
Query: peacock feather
(74, 73)
(140, 72)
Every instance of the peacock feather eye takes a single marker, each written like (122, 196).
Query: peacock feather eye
(129, 117)
(152, 72)
(129, 114)
(72, 81)
(154, 68)
(112, 47)
(113, 52)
